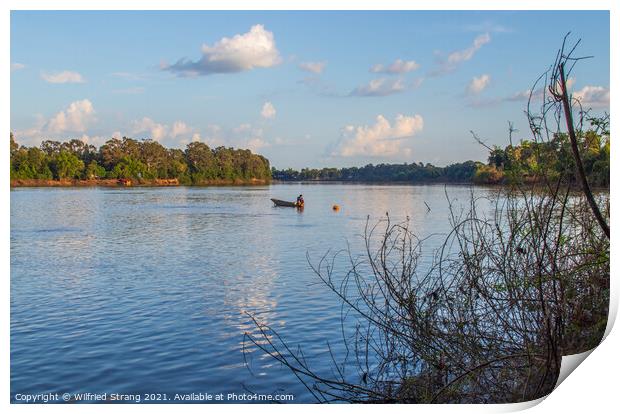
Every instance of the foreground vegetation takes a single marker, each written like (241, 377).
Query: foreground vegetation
(512, 289)
(128, 158)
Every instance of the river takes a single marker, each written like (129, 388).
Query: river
(148, 290)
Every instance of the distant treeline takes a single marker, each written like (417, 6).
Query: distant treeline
(520, 162)
(461, 172)
(133, 159)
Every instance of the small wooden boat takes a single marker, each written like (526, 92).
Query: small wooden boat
(282, 203)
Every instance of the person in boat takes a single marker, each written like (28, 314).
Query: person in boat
(300, 200)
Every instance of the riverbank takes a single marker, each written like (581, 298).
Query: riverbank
(111, 182)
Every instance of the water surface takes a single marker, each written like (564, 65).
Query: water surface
(147, 290)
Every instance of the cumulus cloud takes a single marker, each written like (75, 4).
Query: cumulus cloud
(155, 130)
(66, 76)
(399, 66)
(96, 140)
(454, 59)
(210, 135)
(592, 96)
(255, 144)
(381, 139)
(313, 67)
(379, 87)
(478, 84)
(179, 128)
(75, 118)
(246, 136)
(177, 133)
(242, 52)
(268, 111)
(17, 66)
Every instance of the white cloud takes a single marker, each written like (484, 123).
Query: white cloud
(210, 135)
(246, 136)
(570, 82)
(478, 84)
(255, 144)
(254, 49)
(245, 131)
(379, 87)
(65, 76)
(524, 95)
(195, 138)
(180, 128)
(455, 58)
(75, 118)
(243, 128)
(268, 111)
(31, 136)
(399, 66)
(380, 139)
(592, 96)
(314, 67)
(466, 54)
(96, 140)
(155, 130)
(17, 66)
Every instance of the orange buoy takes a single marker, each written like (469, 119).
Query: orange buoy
(335, 207)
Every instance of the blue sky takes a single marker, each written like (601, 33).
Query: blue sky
(303, 88)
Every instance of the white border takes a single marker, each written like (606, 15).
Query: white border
(590, 389)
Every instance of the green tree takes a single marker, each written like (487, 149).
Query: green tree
(66, 165)
(94, 170)
(129, 167)
(129, 158)
(30, 163)
(155, 157)
(85, 152)
(201, 162)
